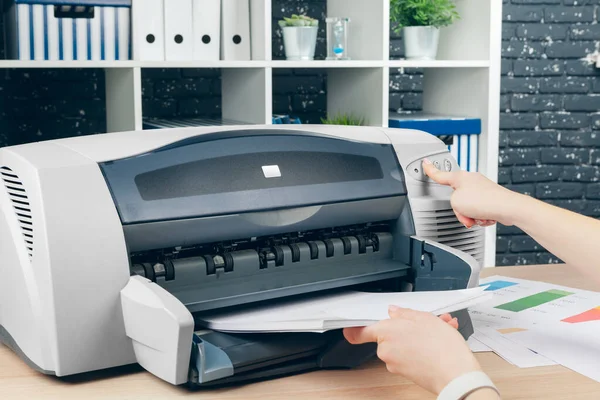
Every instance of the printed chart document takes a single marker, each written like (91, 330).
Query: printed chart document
(531, 323)
(520, 303)
(348, 309)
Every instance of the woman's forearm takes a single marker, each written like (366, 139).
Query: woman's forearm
(477, 200)
(572, 237)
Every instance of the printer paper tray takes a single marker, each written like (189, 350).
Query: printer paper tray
(251, 357)
(264, 356)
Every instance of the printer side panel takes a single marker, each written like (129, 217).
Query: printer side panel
(79, 260)
(23, 323)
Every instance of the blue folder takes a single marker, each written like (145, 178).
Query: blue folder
(436, 124)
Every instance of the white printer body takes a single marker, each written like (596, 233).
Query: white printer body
(111, 243)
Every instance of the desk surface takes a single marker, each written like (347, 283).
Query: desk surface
(371, 381)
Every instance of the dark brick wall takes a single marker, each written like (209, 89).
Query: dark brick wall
(550, 129)
(181, 93)
(42, 104)
(549, 106)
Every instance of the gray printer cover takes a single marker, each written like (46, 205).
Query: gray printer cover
(222, 174)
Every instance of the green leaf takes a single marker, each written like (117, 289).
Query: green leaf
(344, 119)
(437, 13)
(298, 20)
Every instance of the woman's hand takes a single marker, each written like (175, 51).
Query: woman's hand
(476, 199)
(419, 346)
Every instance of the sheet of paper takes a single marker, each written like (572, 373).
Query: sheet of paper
(513, 352)
(337, 311)
(476, 346)
(576, 347)
(375, 305)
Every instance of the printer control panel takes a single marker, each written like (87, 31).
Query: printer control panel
(443, 162)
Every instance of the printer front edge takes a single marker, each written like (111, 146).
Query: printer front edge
(112, 245)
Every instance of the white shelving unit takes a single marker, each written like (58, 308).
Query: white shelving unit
(464, 80)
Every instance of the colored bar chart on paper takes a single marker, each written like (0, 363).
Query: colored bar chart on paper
(506, 331)
(533, 300)
(497, 285)
(587, 316)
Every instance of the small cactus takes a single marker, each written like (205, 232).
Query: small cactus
(298, 20)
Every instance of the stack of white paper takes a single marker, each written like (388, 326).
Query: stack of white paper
(337, 311)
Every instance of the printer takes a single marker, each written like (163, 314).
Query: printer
(113, 245)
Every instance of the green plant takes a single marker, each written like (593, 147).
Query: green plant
(436, 13)
(343, 119)
(298, 20)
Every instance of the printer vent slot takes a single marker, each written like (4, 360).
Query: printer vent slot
(20, 202)
(442, 226)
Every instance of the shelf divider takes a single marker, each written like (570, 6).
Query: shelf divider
(123, 99)
(247, 95)
(359, 91)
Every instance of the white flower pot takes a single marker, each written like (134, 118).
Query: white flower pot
(300, 42)
(420, 42)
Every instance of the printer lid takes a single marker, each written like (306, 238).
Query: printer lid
(230, 172)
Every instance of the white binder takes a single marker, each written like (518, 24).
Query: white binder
(147, 18)
(235, 30)
(179, 35)
(123, 32)
(207, 29)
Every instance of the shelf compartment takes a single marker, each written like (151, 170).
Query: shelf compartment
(368, 31)
(230, 94)
(360, 92)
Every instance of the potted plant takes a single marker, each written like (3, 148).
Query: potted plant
(299, 37)
(343, 119)
(420, 22)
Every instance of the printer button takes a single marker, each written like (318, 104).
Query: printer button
(447, 165)
(436, 164)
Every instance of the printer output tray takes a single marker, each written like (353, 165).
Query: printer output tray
(251, 357)
(220, 359)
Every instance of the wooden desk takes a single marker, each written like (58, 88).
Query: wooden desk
(371, 381)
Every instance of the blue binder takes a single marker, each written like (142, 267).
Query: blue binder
(436, 124)
(461, 134)
(68, 29)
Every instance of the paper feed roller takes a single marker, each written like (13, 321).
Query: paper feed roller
(232, 273)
